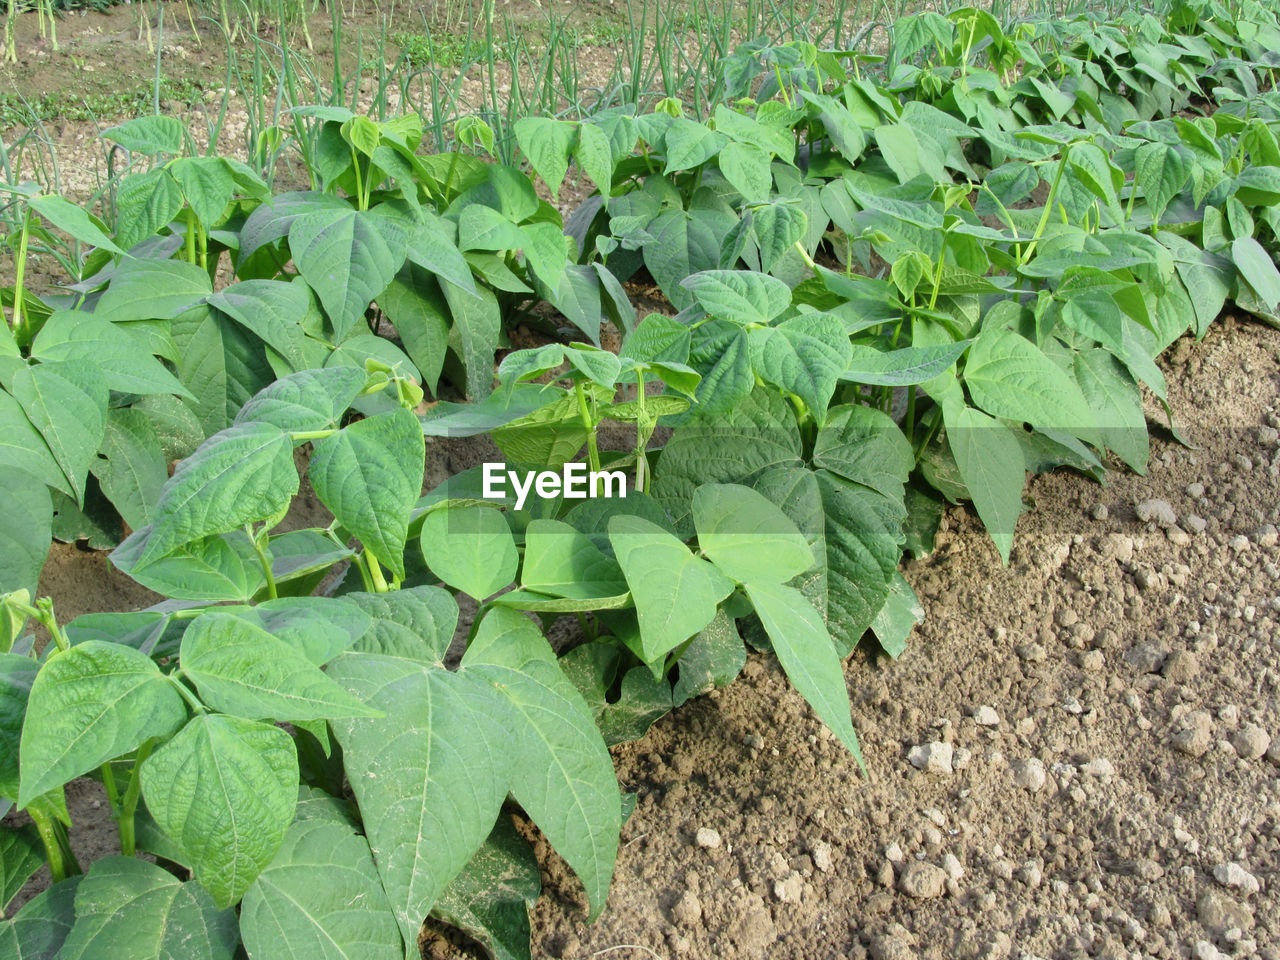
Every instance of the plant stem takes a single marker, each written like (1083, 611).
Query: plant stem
(1048, 206)
(21, 333)
(375, 572)
(304, 435)
(593, 452)
(129, 805)
(642, 436)
(191, 236)
(264, 561)
(57, 848)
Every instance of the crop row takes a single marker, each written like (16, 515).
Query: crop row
(896, 283)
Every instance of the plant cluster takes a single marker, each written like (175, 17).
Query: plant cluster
(898, 283)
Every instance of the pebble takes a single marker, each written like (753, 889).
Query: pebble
(1196, 734)
(1032, 653)
(1099, 511)
(707, 838)
(1031, 874)
(1204, 950)
(922, 881)
(1100, 767)
(1029, 774)
(1251, 741)
(986, 716)
(820, 853)
(893, 852)
(790, 889)
(1216, 911)
(1093, 662)
(1156, 511)
(932, 757)
(951, 866)
(1181, 666)
(891, 947)
(1231, 874)
(688, 909)
(1194, 523)
(1145, 658)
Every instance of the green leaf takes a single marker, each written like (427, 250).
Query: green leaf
(805, 650)
(804, 355)
(643, 698)
(149, 135)
(746, 536)
(243, 670)
(242, 475)
(319, 628)
(438, 741)
(1008, 376)
(286, 914)
(414, 303)
(722, 354)
(561, 562)
(898, 617)
(690, 144)
(1114, 396)
(67, 403)
(347, 258)
(69, 218)
(545, 252)
(17, 673)
(146, 203)
(416, 623)
(22, 448)
(594, 155)
(370, 475)
(305, 401)
(492, 896)
(211, 569)
(777, 228)
(40, 928)
(21, 855)
(477, 325)
(683, 244)
(675, 592)
(901, 368)
(432, 246)
(145, 289)
(1257, 268)
(224, 790)
(561, 772)
(273, 311)
(864, 445)
(126, 363)
(547, 143)
(747, 168)
(90, 704)
(131, 468)
(221, 363)
(714, 658)
(484, 228)
(207, 185)
(470, 548)
(1161, 172)
(991, 466)
(738, 295)
(25, 530)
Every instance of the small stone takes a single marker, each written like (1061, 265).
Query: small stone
(963, 755)
(1195, 490)
(891, 947)
(820, 853)
(1145, 658)
(707, 838)
(1029, 774)
(986, 716)
(1216, 911)
(1196, 734)
(688, 909)
(1181, 666)
(1099, 767)
(1099, 511)
(1204, 950)
(1093, 662)
(790, 889)
(1194, 523)
(1031, 874)
(893, 852)
(879, 903)
(922, 881)
(1002, 869)
(753, 741)
(1239, 543)
(952, 867)
(1156, 511)
(1231, 874)
(932, 757)
(1031, 653)
(1251, 741)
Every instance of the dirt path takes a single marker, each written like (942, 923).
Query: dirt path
(1100, 715)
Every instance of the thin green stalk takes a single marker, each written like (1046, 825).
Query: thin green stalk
(129, 805)
(57, 847)
(191, 236)
(20, 331)
(185, 692)
(593, 452)
(264, 561)
(642, 439)
(1048, 206)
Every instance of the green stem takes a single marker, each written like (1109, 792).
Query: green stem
(804, 255)
(304, 435)
(375, 572)
(911, 413)
(642, 440)
(264, 561)
(192, 701)
(191, 236)
(57, 848)
(129, 805)
(45, 614)
(1048, 206)
(21, 333)
(593, 452)
(355, 162)
(202, 237)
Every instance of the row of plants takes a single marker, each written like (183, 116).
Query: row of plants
(892, 293)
